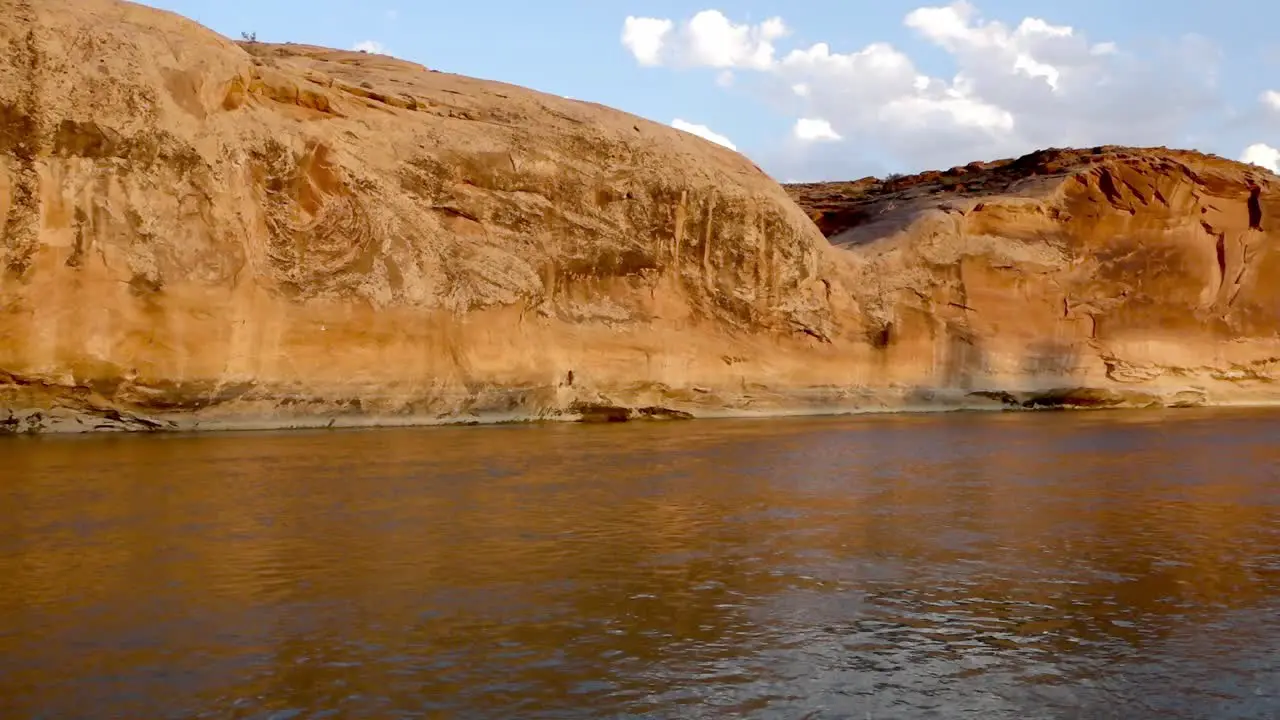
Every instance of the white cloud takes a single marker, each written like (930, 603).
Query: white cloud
(814, 130)
(644, 37)
(717, 42)
(1013, 87)
(954, 109)
(1271, 99)
(708, 39)
(1262, 155)
(370, 46)
(704, 132)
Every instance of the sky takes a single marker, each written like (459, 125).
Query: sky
(842, 89)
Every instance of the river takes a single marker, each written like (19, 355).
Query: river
(1046, 565)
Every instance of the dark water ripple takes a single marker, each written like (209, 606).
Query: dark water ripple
(1021, 566)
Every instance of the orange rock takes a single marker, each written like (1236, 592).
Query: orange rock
(199, 233)
(1151, 274)
(244, 234)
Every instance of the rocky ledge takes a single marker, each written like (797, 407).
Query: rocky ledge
(204, 234)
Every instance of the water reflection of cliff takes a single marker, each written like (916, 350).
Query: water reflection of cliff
(639, 566)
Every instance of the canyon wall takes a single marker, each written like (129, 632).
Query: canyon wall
(1107, 276)
(201, 234)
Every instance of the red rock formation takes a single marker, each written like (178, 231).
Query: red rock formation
(205, 234)
(1133, 274)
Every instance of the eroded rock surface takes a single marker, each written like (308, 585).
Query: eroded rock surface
(199, 233)
(1100, 277)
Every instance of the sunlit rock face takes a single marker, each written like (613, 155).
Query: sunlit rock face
(1110, 276)
(200, 233)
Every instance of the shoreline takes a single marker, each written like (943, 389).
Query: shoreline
(179, 425)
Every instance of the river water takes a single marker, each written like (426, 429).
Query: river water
(1055, 565)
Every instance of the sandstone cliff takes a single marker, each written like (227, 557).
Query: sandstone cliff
(200, 234)
(1110, 276)
(198, 231)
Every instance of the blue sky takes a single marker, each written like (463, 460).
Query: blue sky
(1182, 73)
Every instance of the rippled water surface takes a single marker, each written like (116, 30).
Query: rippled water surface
(1068, 565)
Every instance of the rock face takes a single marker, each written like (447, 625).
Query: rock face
(203, 232)
(1110, 276)
(206, 234)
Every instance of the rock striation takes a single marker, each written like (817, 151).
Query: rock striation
(202, 234)
(1101, 277)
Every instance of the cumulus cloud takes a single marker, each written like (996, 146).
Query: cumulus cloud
(1262, 155)
(370, 46)
(1014, 87)
(814, 129)
(708, 39)
(1271, 99)
(645, 37)
(704, 132)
